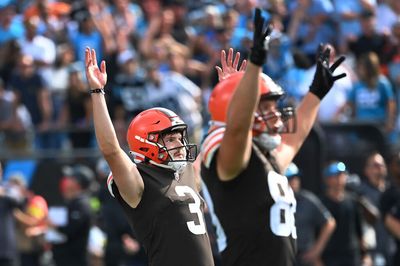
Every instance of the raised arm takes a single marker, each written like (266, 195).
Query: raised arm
(307, 111)
(125, 174)
(235, 150)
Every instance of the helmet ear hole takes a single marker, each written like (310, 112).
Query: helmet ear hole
(144, 149)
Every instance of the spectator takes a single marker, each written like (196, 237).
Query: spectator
(371, 98)
(310, 24)
(51, 15)
(60, 77)
(14, 122)
(387, 14)
(86, 34)
(31, 91)
(128, 92)
(150, 8)
(394, 74)
(181, 31)
(280, 59)
(372, 188)
(31, 224)
(58, 87)
(74, 187)
(174, 91)
(11, 28)
(179, 61)
(10, 53)
(10, 198)
(370, 40)
(77, 109)
(296, 79)
(158, 36)
(314, 222)
(126, 16)
(345, 247)
(390, 205)
(347, 17)
(243, 27)
(39, 47)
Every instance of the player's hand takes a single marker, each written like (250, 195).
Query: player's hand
(323, 77)
(261, 36)
(96, 77)
(229, 67)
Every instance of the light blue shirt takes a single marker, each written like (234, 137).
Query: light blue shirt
(370, 104)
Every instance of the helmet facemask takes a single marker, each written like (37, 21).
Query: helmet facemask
(266, 132)
(166, 155)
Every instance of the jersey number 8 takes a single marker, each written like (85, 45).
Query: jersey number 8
(282, 220)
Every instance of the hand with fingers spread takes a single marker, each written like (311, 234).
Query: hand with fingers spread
(97, 78)
(229, 67)
(323, 77)
(261, 36)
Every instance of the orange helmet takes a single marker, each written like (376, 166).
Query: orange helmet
(269, 90)
(223, 91)
(146, 130)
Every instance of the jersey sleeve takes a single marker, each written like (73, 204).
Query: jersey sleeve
(210, 145)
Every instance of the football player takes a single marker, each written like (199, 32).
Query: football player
(157, 190)
(246, 152)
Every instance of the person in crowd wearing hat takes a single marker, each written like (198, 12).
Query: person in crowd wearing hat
(74, 187)
(345, 247)
(314, 223)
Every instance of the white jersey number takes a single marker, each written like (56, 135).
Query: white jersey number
(197, 229)
(282, 220)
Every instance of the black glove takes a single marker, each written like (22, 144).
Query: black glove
(323, 77)
(258, 53)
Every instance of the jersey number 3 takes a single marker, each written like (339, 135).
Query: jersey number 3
(195, 208)
(282, 220)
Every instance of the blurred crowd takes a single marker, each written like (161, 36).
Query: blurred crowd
(86, 228)
(355, 220)
(164, 53)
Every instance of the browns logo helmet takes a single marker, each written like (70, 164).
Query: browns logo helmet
(144, 137)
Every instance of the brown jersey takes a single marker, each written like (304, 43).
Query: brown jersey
(255, 210)
(169, 219)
